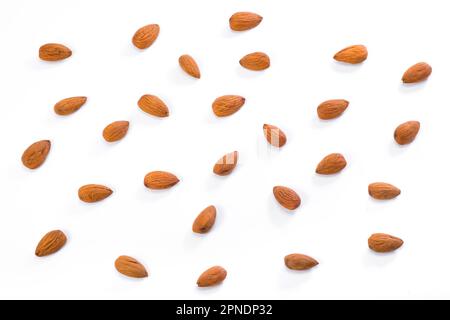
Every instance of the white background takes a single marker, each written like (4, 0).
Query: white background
(252, 233)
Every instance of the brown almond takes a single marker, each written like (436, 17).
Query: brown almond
(381, 242)
(331, 164)
(255, 61)
(331, 109)
(274, 135)
(54, 52)
(69, 105)
(383, 191)
(212, 277)
(205, 220)
(353, 54)
(227, 105)
(241, 21)
(287, 197)
(406, 132)
(145, 36)
(34, 156)
(225, 165)
(160, 180)
(153, 105)
(50, 243)
(93, 193)
(115, 130)
(130, 267)
(417, 73)
(188, 64)
(297, 261)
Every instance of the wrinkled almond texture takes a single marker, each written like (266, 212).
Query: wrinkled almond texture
(93, 193)
(188, 64)
(286, 197)
(417, 73)
(406, 132)
(331, 164)
(331, 109)
(54, 52)
(212, 276)
(225, 165)
(115, 131)
(353, 54)
(130, 267)
(69, 105)
(160, 180)
(153, 105)
(381, 242)
(274, 135)
(297, 261)
(145, 36)
(50, 243)
(383, 191)
(227, 105)
(255, 61)
(35, 155)
(241, 21)
(205, 220)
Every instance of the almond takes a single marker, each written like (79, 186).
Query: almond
(153, 105)
(381, 242)
(331, 164)
(115, 131)
(227, 105)
(406, 132)
(225, 165)
(54, 52)
(287, 197)
(241, 21)
(331, 109)
(160, 180)
(297, 261)
(212, 276)
(188, 64)
(353, 54)
(255, 61)
(50, 243)
(130, 267)
(205, 220)
(35, 155)
(145, 36)
(383, 191)
(93, 193)
(274, 135)
(417, 73)
(69, 105)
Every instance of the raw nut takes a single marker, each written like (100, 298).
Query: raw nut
(205, 220)
(188, 64)
(145, 36)
(225, 165)
(241, 21)
(153, 105)
(406, 132)
(331, 164)
(34, 156)
(381, 242)
(274, 135)
(255, 61)
(69, 105)
(331, 109)
(227, 105)
(417, 73)
(383, 191)
(297, 261)
(54, 52)
(93, 193)
(115, 131)
(130, 267)
(158, 180)
(212, 277)
(50, 243)
(287, 197)
(353, 54)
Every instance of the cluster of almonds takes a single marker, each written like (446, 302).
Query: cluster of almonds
(35, 155)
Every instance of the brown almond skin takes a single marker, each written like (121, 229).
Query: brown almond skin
(115, 131)
(297, 261)
(69, 105)
(274, 135)
(211, 277)
(242, 21)
(331, 109)
(225, 165)
(130, 267)
(54, 52)
(34, 156)
(93, 193)
(227, 105)
(52, 242)
(287, 197)
(205, 220)
(158, 180)
(406, 132)
(417, 73)
(331, 164)
(353, 54)
(188, 64)
(153, 105)
(145, 36)
(381, 242)
(255, 61)
(383, 191)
